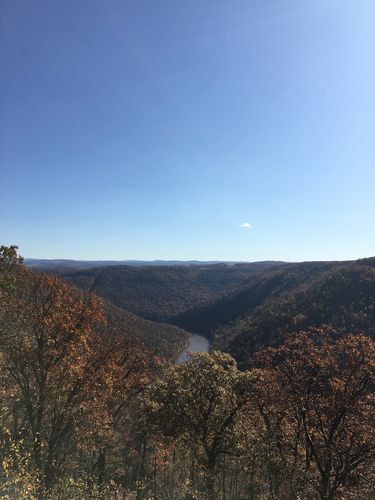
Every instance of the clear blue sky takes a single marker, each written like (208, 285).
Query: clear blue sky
(155, 129)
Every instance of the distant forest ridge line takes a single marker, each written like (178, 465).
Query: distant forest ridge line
(80, 264)
(89, 264)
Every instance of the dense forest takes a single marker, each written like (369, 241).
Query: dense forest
(92, 408)
(250, 293)
(243, 307)
(343, 297)
(266, 307)
(160, 293)
(163, 339)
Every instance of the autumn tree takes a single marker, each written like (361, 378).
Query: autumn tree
(48, 332)
(324, 385)
(127, 367)
(200, 404)
(67, 379)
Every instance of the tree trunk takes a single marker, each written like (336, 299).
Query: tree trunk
(210, 480)
(101, 463)
(210, 484)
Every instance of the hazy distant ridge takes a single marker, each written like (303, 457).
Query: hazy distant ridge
(63, 264)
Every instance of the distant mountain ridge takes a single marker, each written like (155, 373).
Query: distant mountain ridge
(70, 264)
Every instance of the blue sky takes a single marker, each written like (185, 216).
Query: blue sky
(154, 130)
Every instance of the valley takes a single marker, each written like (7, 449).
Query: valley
(155, 381)
(239, 307)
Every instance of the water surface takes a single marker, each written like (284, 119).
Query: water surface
(196, 343)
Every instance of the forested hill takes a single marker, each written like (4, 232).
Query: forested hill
(269, 306)
(160, 293)
(249, 294)
(162, 339)
(241, 307)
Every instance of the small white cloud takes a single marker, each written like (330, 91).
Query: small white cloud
(245, 225)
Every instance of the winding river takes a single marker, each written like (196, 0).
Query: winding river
(197, 343)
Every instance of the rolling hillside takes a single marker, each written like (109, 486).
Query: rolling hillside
(240, 307)
(249, 294)
(163, 339)
(161, 293)
(269, 306)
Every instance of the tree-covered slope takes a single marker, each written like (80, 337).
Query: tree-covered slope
(343, 296)
(249, 294)
(241, 307)
(161, 293)
(161, 339)
(165, 340)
